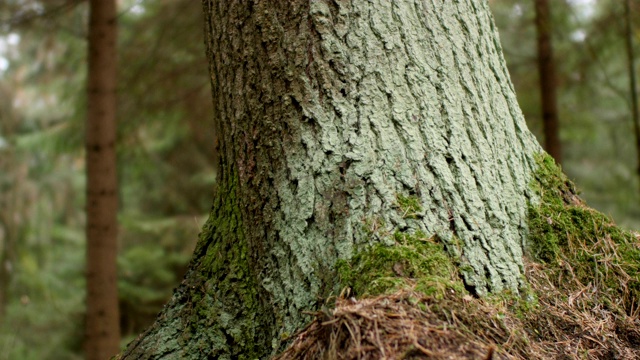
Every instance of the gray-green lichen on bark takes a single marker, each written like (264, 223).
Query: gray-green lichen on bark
(329, 114)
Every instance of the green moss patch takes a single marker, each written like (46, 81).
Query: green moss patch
(415, 261)
(225, 314)
(409, 206)
(579, 245)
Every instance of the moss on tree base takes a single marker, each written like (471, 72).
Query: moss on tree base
(415, 261)
(584, 280)
(580, 245)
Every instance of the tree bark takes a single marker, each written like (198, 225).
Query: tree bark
(331, 116)
(547, 73)
(635, 117)
(102, 323)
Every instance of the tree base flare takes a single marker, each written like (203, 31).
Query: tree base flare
(582, 300)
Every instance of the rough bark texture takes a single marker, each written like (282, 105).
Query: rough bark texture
(547, 73)
(102, 323)
(342, 122)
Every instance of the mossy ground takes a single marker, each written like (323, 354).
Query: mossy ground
(407, 301)
(580, 245)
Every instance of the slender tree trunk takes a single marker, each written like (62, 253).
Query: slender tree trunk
(632, 79)
(4, 284)
(12, 204)
(342, 123)
(6, 262)
(547, 72)
(12, 235)
(102, 323)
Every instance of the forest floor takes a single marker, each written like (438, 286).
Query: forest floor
(565, 322)
(582, 300)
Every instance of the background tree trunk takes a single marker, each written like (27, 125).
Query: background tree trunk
(633, 92)
(103, 320)
(12, 209)
(342, 123)
(547, 73)
(7, 256)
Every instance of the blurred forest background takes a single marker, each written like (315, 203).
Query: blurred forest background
(166, 147)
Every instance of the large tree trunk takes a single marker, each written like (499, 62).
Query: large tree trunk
(103, 321)
(341, 123)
